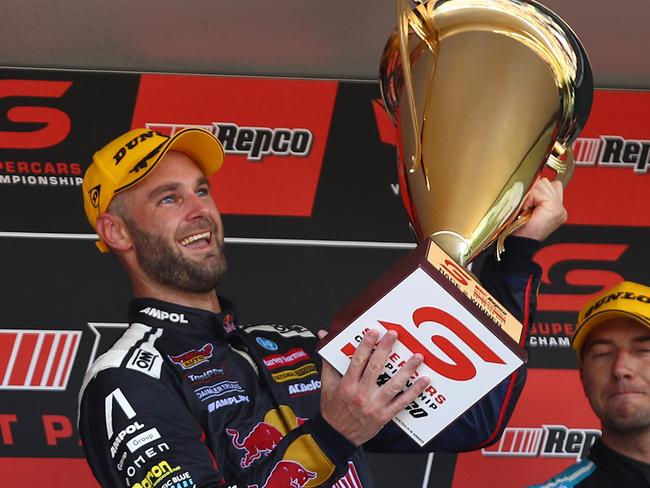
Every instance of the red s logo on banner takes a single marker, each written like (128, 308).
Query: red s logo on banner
(549, 256)
(462, 368)
(56, 122)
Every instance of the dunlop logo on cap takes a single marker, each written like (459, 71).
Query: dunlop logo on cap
(94, 195)
(119, 155)
(623, 295)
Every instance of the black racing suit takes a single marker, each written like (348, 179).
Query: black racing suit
(603, 468)
(187, 398)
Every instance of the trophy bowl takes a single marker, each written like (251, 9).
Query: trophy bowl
(484, 94)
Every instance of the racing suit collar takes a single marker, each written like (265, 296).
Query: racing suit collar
(179, 318)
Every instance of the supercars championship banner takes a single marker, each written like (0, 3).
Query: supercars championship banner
(312, 214)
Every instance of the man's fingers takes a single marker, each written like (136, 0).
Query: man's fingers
(551, 189)
(360, 357)
(396, 384)
(558, 188)
(400, 402)
(378, 359)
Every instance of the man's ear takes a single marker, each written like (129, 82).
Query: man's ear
(112, 230)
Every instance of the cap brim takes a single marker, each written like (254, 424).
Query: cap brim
(579, 338)
(204, 149)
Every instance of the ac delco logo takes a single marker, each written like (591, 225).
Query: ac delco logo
(613, 152)
(53, 123)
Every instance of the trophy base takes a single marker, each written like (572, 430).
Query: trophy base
(470, 342)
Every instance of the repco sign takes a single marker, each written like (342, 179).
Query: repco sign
(274, 133)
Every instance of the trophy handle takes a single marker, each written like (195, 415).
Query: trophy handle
(518, 222)
(403, 22)
(425, 30)
(564, 169)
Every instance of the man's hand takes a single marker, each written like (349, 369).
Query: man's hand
(353, 403)
(548, 212)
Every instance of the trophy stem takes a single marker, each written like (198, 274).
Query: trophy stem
(455, 245)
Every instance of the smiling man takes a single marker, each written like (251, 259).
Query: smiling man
(612, 341)
(187, 397)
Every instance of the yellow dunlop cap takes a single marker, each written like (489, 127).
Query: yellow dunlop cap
(126, 160)
(627, 299)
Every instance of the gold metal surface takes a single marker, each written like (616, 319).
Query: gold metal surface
(484, 93)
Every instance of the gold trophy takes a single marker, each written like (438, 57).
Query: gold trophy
(484, 94)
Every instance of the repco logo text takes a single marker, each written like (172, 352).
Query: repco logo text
(53, 124)
(613, 152)
(253, 142)
(545, 441)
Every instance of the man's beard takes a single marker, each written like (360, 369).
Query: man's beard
(168, 267)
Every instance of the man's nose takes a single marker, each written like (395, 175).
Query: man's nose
(623, 366)
(198, 206)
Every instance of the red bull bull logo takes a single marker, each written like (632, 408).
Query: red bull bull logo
(261, 440)
(194, 357)
(288, 474)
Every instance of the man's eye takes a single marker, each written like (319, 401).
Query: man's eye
(203, 192)
(169, 199)
(600, 352)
